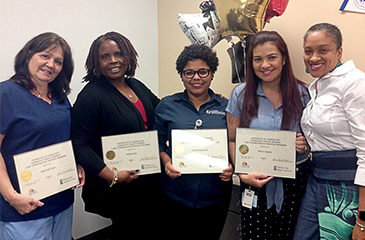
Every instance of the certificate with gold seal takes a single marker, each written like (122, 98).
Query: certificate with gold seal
(199, 151)
(46, 171)
(266, 151)
(132, 151)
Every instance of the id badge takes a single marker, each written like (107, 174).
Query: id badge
(248, 198)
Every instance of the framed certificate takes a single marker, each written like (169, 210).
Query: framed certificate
(46, 171)
(132, 151)
(266, 151)
(199, 151)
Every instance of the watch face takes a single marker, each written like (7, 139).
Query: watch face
(362, 215)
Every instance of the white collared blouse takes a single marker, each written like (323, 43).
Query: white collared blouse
(334, 118)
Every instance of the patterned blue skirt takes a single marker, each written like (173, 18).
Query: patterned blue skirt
(329, 207)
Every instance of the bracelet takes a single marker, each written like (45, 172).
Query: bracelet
(362, 227)
(115, 179)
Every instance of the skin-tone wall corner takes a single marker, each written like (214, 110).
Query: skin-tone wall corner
(292, 25)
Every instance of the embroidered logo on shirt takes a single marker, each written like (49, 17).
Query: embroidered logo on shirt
(217, 112)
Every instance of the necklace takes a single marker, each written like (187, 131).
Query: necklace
(273, 89)
(39, 94)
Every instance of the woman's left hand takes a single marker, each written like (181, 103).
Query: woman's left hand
(81, 173)
(227, 174)
(357, 234)
(301, 144)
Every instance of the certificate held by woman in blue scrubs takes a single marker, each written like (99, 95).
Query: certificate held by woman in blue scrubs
(46, 171)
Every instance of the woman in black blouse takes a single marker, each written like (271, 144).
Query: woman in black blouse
(113, 102)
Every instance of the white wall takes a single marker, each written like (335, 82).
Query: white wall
(80, 22)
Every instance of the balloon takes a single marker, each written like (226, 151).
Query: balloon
(237, 52)
(275, 8)
(241, 17)
(202, 29)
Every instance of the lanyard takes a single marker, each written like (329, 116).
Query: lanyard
(315, 86)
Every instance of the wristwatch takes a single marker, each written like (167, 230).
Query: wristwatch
(361, 215)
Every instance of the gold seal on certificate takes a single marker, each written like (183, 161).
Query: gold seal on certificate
(265, 151)
(180, 148)
(199, 151)
(132, 151)
(26, 176)
(243, 149)
(110, 155)
(46, 171)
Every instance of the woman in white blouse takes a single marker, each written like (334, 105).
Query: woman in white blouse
(334, 125)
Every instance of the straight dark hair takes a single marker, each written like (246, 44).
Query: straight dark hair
(60, 86)
(292, 103)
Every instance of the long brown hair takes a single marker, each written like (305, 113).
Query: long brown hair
(292, 102)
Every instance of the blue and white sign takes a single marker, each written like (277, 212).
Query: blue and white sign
(353, 6)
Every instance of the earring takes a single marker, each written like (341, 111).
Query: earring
(96, 74)
(283, 63)
(306, 70)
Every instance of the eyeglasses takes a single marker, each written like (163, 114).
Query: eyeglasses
(189, 73)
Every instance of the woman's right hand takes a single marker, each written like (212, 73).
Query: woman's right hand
(24, 204)
(127, 176)
(171, 171)
(255, 179)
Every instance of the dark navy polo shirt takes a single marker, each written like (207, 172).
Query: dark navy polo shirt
(178, 112)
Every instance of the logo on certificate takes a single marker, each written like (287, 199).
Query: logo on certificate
(180, 148)
(245, 164)
(26, 176)
(110, 155)
(32, 192)
(182, 164)
(243, 149)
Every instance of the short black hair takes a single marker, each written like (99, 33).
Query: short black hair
(194, 52)
(329, 29)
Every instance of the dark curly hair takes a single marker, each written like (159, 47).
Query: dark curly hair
(60, 86)
(194, 52)
(125, 46)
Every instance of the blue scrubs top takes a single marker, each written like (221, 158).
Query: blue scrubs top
(30, 123)
(178, 112)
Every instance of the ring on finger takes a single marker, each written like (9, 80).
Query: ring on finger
(168, 172)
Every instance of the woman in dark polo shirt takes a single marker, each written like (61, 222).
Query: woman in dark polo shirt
(196, 205)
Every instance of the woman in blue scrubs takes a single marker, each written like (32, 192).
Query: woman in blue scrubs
(35, 113)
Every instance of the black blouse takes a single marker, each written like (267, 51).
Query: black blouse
(101, 110)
